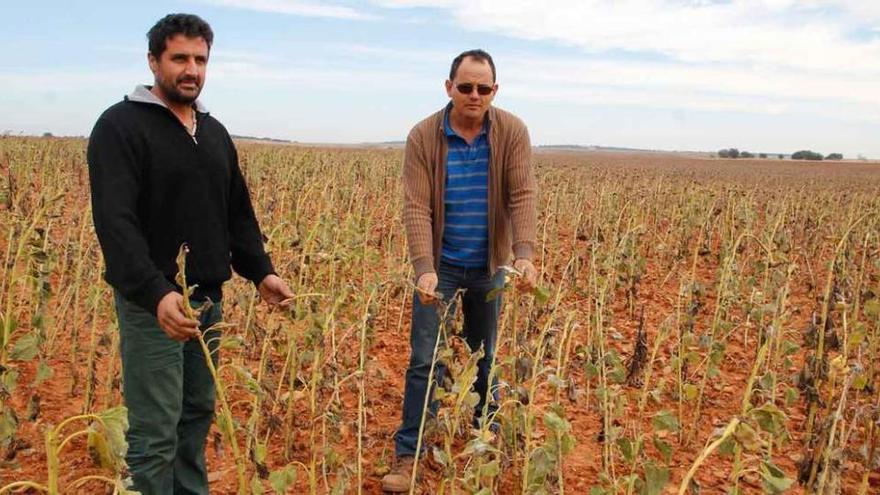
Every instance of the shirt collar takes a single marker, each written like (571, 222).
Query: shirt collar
(451, 132)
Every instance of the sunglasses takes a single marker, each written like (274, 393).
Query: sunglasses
(467, 88)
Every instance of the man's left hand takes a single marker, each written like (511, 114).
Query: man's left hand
(529, 279)
(273, 290)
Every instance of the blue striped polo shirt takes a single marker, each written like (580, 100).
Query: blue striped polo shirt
(466, 228)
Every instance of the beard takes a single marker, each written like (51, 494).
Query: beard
(171, 91)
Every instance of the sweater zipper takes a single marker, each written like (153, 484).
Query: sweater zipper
(490, 210)
(191, 136)
(195, 128)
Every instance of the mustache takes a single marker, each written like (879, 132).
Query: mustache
(187, 79)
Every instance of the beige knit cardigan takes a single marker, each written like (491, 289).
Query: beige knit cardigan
(512, 191)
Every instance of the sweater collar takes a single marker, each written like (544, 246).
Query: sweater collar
(142, 94)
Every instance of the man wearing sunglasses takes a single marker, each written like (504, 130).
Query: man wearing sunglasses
(469, 208)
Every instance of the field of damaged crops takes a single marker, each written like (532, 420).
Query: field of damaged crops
(702, 326)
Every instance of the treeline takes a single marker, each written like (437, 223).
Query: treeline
(812, 155)
(735, 153)
(797, 155)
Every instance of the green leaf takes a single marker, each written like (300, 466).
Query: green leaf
(282, 479)
(664, 448)
(627, 448)
(774, 479)
(555, 423)
(856, 337)
(716, 355)
(542, 295)
(789, 348)
(769, 418)
(872, 308)
(767, 380)
(44, 372)
(257, 486)
(260, 453)
(25, 348)
(791, 395)
(727, 447)
(231, 342)
(690, 392)
(491, 469)
(8, 426)
(590, 369)
(656, 478)
(9, 381)
(115, 424)
(860, 382)
(665, 421)
(99, 449)
(252, 385)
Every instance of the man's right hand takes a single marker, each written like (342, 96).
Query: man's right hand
(173, 320)
(425, 287)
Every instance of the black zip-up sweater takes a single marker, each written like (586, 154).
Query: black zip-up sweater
(155, 187)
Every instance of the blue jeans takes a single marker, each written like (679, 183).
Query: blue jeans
(480, 329)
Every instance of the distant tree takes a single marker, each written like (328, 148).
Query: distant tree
(47, 134)
(863, 158)
(781, 156)
(806, 155)
(762, 155)
(734, 153)
(746, 154)
(724, 153)
(834, 156)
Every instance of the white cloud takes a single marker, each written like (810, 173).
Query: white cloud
(745, 33)
(812, 35)
(864, 10)
(297, 7)
(756, 56)
(657, 77)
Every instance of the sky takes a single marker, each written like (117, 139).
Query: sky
(772, 76)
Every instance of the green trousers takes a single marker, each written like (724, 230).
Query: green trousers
(169, 392)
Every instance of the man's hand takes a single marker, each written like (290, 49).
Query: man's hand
(273, 290)
(529, 279)
(173, 320)
(425, 287)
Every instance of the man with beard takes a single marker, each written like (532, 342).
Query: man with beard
(164, 173)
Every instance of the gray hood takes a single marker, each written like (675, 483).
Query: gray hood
(142, 94)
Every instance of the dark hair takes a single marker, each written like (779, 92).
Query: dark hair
(478, 55)
(189, 25)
